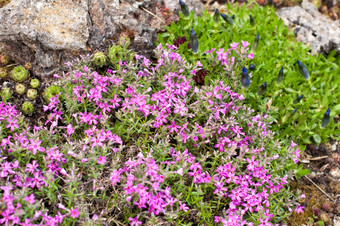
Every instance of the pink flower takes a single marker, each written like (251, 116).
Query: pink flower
(134, 221)
(12, 124)
(250, 56)
(299, 209)
(302, 196)
(245, 44)
(101, 160)
(115, 177)
(30, 199)
(293, 144)
(183, 207)
(217, 219)
(74, 213)
(35, 146)
(234, 45)
(180, 171)
(70, 129)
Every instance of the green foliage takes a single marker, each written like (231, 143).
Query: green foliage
(276, 48)
(20, 74)
(120, 52)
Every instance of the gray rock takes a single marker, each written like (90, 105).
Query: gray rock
(194, 5)
(50, 33)
(311, 27)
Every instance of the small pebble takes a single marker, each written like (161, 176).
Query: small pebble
(335, 173)
(312, 175)
(334, 147)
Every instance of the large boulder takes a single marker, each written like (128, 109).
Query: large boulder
(52, 32)
(311, 27)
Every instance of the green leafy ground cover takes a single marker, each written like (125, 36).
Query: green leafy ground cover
(140, 143)
(299, 118)
(127, 141)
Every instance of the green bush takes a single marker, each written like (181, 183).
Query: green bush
(276, 48)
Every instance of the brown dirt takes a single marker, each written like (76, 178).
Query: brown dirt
(323, 161)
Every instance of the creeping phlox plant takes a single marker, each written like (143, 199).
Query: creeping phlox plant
(144, 145)
(299, 90)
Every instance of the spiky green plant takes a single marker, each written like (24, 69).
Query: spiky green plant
(20, 89)
(27, 108)
(35, 83)
(3, 72)
(50, 92)
(6, 94)
(20, 74)
(99, 59)
(32, 94)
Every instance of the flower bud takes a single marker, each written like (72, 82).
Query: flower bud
(3, 72)
(228, 19)
(27, 108)
(326, 118)
(297, 100)
(262, 89)
(303, 70)
(193, 41)
(252, 21)
(19, 74)
(280, 76)
(256, 42)
(252, 67)
(35, 83)
(216, 16)
(32, 94)
(245, 78)
(20, 89)
(184, 8)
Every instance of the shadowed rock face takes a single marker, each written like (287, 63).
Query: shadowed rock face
(49, 33)
(311, 27)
